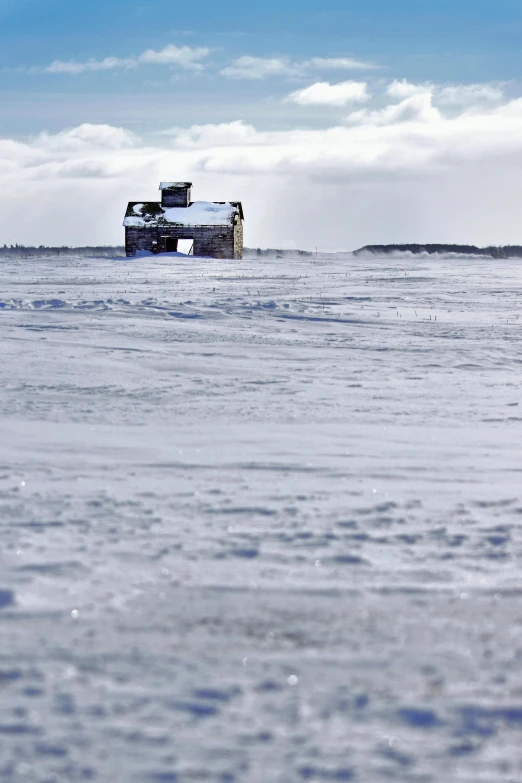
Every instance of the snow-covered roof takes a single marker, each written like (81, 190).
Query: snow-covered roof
(199, 213)
(174, 185)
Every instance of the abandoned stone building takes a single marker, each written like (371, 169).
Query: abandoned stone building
(200, 228)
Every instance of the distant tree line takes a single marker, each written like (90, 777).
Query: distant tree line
(494, 251)
(29, 251)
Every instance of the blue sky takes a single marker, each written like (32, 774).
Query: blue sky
(463, 41)
(400, 121)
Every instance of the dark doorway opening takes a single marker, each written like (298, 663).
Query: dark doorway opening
(171, 245)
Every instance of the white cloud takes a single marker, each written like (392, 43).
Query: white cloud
(405, 89)
(247, 67)
(463, 94)
(260, 68)
(182, 56)
(326, 94)
(109, 63)
(224, 134)
(417, 108)
(87, 137)
(340, 63)
(448, 94)
(412, 172)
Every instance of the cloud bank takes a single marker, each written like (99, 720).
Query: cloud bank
(417, 169)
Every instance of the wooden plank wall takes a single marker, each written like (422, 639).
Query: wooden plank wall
(209, 241)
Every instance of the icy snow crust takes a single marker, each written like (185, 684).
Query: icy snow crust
(199, 213)
(260, 521)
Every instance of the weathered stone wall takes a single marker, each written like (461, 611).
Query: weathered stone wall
(210, 241)
(238, 239)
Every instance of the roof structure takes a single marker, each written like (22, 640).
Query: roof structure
(198, 213)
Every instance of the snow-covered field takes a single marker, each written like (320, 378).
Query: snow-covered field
(260, 521)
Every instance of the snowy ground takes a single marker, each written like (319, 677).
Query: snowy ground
(260, 521)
